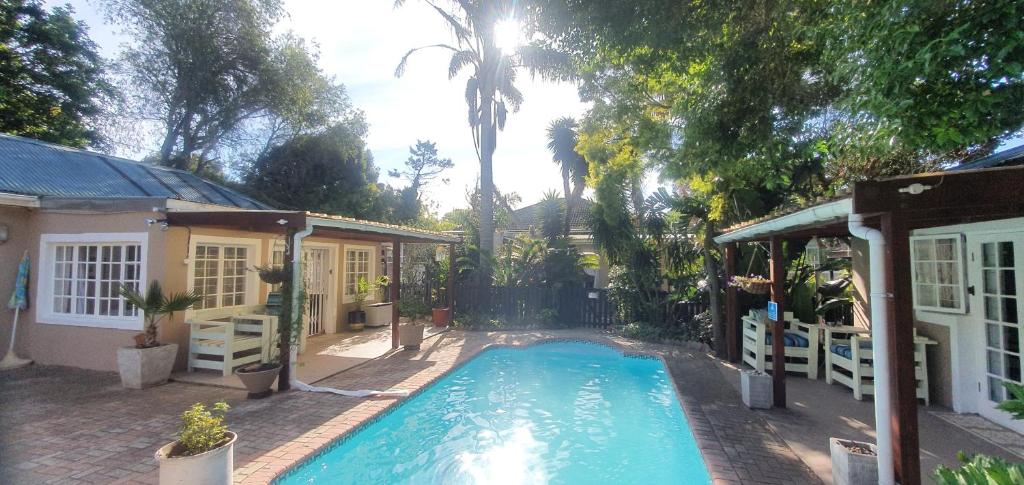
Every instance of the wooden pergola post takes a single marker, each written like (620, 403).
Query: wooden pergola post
(451, 283)
(902, 378)
(285, 317)
(778, 295)
(732, 342)
(396, 288)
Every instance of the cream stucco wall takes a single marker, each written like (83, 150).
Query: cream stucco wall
(18, 222)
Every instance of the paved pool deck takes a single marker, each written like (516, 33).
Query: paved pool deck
(62, 425)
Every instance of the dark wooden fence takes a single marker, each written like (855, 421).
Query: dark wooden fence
(564, 306)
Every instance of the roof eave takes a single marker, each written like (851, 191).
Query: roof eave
(821, 214)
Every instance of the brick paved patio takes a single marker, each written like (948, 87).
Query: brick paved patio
(60, 425)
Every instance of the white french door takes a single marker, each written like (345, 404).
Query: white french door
(316, 277)
(997, 262)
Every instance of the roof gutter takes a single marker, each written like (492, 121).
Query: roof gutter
(18, 200)
(835, 210)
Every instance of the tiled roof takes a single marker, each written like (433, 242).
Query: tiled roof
(32, 167)
(528, 217)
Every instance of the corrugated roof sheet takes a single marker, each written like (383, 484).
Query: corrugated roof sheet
(1008, 157)
(528, 217)
(32, 167)
(385, 227)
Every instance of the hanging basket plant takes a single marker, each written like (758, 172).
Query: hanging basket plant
(753, 284)
(273, 275)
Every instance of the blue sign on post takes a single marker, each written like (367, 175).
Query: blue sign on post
(773, 311)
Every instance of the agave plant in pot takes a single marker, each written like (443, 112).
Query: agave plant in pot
(149, 363)
(204, 451)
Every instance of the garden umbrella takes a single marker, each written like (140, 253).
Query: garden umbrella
(18, 302)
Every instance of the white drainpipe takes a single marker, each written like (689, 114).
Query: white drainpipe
(880, 301)
(296, 288)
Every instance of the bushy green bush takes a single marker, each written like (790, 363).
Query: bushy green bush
(981, 470)
(202, 429)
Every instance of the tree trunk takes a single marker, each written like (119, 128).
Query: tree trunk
(488, 139)
(569, 203)
(714, 290)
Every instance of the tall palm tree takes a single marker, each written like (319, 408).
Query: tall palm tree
(562, 138)
(490, 89)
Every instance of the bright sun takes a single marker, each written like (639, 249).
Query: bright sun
(508, 35)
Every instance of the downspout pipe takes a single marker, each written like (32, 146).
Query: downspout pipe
(881, 299)
(296, 288)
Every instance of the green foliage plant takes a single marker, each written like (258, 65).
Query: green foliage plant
(155, 306)
(986, 470)
(202, 429)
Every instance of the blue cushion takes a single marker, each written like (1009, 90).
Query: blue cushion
(789, 339)
(845, 350)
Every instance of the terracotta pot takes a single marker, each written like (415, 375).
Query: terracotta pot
(211, 468)
(258, 382)
(442, 316)
(142, 368)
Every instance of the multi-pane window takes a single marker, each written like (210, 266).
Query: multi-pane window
(220, 275)
(87, 278)
(357, 265)
(938, 273)
(1002, 316)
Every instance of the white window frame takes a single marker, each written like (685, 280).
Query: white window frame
(44, 287)
(960, 270)
(254, 257)
(371, 270)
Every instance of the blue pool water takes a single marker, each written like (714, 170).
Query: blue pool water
(571, 413)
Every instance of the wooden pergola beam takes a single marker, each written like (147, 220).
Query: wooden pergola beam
(778, 295)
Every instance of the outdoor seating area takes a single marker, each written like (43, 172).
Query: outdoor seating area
(849, 361)
(227, 345)
(801, 341)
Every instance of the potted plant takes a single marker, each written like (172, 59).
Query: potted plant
(149, 363)
(204, 451)
(379, 314)
(259, 377)
(853, 462)
(753, 284)
(441, 313)
(410, 333)
(756, 389)
(273, 275)
(357, 317)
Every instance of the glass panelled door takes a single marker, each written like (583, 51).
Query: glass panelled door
(316, 278)
(1001, 308)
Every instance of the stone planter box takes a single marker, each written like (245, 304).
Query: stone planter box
(211, 468)
(853, 466)
(142, 368)
(378, 315)
(410, 335)
(756, 388)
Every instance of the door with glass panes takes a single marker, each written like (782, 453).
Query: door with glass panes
(997, 261)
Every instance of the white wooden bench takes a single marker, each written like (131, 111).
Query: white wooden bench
(226, 344)
(757, 346)
(857, 371)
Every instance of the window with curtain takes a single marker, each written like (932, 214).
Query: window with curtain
(219, 275)
(87, 278)
(357, 265)
(937, 263)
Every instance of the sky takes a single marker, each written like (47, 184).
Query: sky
(361, 43)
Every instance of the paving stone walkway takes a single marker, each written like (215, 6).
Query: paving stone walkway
(61, 425)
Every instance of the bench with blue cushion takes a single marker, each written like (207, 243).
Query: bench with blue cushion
(845, 350)
(789, 339)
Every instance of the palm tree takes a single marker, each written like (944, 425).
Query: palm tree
(562, 138)
(490, 89)
(154, 305)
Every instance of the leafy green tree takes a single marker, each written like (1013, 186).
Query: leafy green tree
(52, 84)
(330, 172)
(562, 140)
(490, 90)
(211, 74)
(422, 166)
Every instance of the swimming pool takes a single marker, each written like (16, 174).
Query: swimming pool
(561, 412)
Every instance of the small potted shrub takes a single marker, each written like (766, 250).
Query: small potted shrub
(753, 284)
(204, 451)
(853, 462)
(149, 363)
(756, 389)
(379, 314)
(410, 334)
(357, 317)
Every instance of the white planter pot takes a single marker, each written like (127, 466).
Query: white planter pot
(756, 389)
(211, 468)
(410, 335)
(850, 468)
(142, 368)
(378, 315)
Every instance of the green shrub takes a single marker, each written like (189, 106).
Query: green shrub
(413, 307)
(202, 429)
(981, 470)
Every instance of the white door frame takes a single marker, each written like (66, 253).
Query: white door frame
(975, 330)
(330, 315)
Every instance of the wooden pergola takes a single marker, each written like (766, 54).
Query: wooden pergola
(895, 206)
